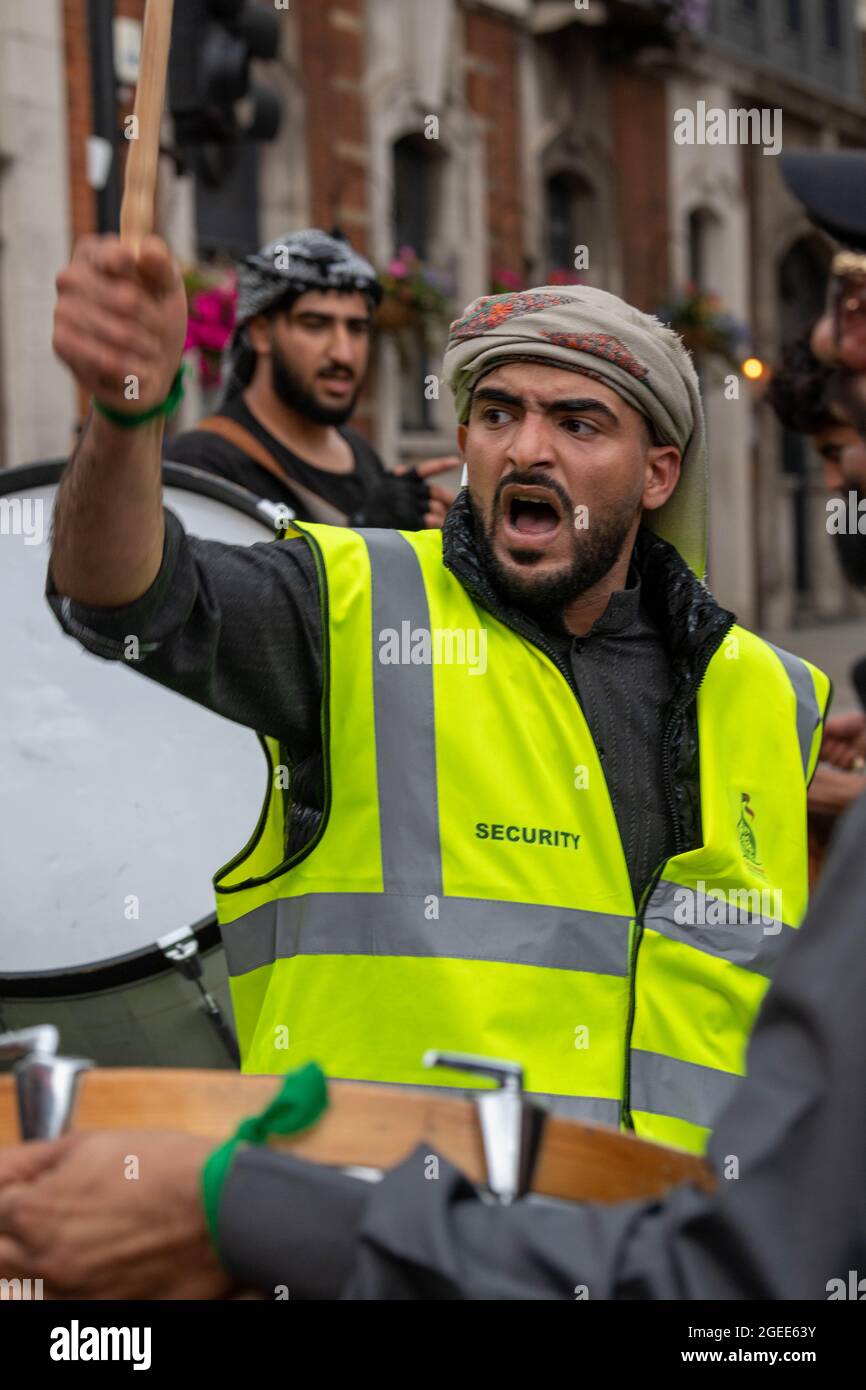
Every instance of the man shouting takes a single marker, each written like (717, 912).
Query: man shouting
(531, 792)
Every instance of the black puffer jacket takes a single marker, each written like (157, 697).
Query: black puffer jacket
(689, 619)
(685, 614)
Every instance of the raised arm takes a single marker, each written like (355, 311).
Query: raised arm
(234, 628)
(119, 326)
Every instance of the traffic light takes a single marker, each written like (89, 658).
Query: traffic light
(212, 98)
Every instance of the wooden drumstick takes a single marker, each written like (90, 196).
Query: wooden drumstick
(139, 185)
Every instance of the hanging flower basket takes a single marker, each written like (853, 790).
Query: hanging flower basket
(418, 298)
(705, 326)
(395, 315)
(212, 306)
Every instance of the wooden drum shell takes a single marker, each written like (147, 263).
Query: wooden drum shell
(373, 1126)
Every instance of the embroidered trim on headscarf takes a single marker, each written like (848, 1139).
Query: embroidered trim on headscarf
(599, 345)
(494, 309)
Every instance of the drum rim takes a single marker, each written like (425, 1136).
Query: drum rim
(114, 972)
(148, 962)
(179, 475)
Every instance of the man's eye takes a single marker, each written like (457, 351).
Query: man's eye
(493, 415)
(575, 426)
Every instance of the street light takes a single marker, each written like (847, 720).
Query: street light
(753, 368)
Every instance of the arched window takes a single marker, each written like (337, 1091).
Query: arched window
(801, 282)
(705, 230)
(794, 15)
(416, 211)
(570, 220)
(832, 24)
(416, 186)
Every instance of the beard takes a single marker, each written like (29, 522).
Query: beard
(291, 391)
(594, 552)
(851, 551)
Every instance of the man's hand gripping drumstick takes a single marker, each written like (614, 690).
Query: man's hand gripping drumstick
(119, 326)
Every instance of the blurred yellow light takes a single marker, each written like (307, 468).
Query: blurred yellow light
(753, 368)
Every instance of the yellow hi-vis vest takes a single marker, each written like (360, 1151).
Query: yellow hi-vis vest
(467, 888)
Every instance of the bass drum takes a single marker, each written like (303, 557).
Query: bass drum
(120, 800)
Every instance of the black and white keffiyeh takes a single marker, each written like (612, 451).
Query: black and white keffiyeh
(292, 264)
(308, 260)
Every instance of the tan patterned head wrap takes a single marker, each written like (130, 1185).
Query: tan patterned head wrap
(600, 336)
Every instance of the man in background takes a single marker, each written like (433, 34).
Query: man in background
(803, 394)
(298, 360)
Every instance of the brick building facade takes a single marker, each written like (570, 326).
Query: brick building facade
(553, 129)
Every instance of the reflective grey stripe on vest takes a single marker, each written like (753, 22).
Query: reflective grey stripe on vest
(371, 924)
(808, 711)
(600, 1112)
(594, 1108)
(405, 730)
(665, 1086)
(753, 940)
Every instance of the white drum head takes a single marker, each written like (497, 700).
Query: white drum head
(120, 798)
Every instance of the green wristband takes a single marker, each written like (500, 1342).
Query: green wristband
(301, 1100)
(130, 422)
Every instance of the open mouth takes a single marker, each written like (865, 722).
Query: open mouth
(533, 514)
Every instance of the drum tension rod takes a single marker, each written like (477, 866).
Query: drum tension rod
(511, 1124)
(46, 1085)
(181, 949)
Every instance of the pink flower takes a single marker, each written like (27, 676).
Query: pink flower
(398, 270)
(212, 317)
(210, 336)
(210, 306)
(511, 279)
(564, 277)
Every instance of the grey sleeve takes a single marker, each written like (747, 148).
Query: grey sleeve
(787, 1218)
(234, 628)
(287, 1224)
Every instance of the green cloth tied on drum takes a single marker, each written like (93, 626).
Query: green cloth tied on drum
(301, 1100)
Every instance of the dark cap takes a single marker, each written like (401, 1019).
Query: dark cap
(831, 185)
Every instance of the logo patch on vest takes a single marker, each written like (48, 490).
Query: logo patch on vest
(527, 835)
(746, 833)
